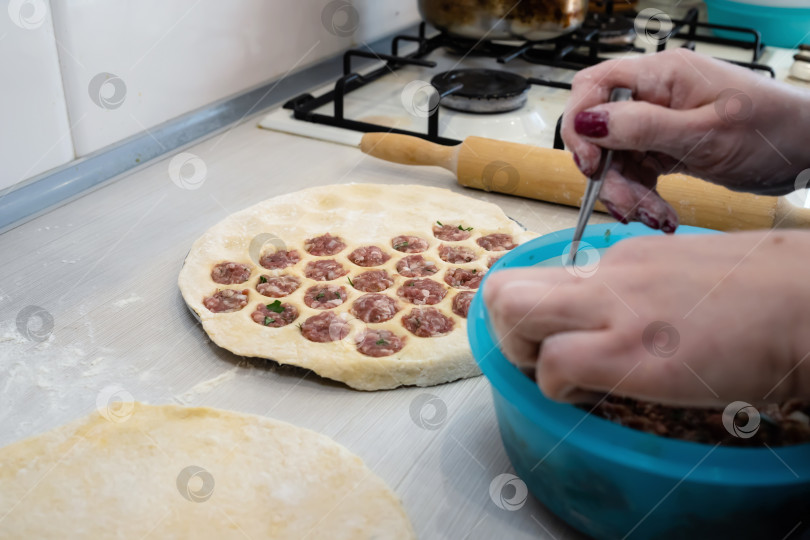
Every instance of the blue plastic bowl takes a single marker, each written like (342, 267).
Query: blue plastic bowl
(779, 26)
(611, 481)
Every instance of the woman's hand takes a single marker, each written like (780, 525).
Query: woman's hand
(685, 320)
(691, 114)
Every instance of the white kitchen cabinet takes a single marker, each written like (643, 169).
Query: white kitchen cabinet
(35, 134)
(129, 66)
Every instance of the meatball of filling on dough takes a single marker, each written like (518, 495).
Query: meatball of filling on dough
(372, 281)
(377, 343)
(325, 296)
(451, 233)
(324, 245)
(374, 308)
(422, 291)
(226, 301)
(274, 315)
(230, 273)
(427, 322)
(368, 256)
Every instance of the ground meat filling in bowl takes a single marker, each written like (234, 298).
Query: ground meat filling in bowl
(778, 425)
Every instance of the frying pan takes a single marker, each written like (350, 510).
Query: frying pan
(532, 20)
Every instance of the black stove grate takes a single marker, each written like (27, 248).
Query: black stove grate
(574, 51)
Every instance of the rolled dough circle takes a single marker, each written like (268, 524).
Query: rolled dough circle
(177, 472)
(362, 215)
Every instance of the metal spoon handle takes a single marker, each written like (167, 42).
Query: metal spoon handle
(595, 184)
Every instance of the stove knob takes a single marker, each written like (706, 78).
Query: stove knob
(801, 67)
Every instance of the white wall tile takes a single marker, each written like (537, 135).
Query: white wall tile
(160, 59)
(35, 134)
(378, 18)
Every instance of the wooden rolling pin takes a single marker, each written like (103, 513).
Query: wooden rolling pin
(551, 175)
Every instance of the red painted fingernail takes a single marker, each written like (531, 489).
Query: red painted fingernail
(591, 123)
(648, 220)
(669, 227)
(615, 213)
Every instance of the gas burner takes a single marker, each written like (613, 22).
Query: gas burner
(613, 30)
(498, 91)
(481, 90)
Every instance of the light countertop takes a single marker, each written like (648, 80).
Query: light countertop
(105, 267)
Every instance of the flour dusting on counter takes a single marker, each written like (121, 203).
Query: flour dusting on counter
(44, 383)
(131, 299)
(206, 386)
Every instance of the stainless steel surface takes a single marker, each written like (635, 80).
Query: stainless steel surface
(595, 184)
(532, 20)
(105, 265)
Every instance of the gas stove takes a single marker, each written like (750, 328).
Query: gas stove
(444, 88)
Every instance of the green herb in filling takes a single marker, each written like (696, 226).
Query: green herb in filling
(401, 245)
(381, 342)
(268, 320)
(262, 279)
(320, 295)
(276, 307)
